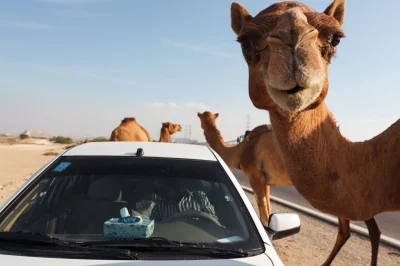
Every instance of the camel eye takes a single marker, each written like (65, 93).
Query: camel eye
(249, 51)
(335, 40)
(247, 46)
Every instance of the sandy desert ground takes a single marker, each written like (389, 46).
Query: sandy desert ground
(310, 247)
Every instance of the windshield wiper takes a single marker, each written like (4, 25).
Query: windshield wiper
(161, 243)
(41, 239)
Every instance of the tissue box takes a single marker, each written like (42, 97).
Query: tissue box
(113, 229)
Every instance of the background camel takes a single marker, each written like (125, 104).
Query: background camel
(288, 48)
(168, 129)
(257, 156)
(129, 130)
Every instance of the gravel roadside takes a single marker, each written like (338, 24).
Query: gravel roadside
(312, 245)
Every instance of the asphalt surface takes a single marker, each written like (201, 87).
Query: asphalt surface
(389, 223)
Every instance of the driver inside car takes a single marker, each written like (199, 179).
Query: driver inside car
(171, 198)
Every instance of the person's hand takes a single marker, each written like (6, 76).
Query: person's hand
(136, 213)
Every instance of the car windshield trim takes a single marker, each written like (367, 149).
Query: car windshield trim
(42, 241)
(162, 243)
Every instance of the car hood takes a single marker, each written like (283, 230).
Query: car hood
(261, 259)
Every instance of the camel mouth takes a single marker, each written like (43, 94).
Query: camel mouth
(295, 90)
(295, 99)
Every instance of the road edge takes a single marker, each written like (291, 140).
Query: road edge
(388, 241)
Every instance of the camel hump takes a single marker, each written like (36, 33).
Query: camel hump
(258, 131)
(114, 135)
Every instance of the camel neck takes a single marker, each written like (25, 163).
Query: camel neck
(320, 160)
(214, 138)
(311, 135)
(230, 155)
(165, 136)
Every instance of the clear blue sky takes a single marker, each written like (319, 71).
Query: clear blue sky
(77, 67)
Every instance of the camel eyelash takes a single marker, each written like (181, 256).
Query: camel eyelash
(241, 39)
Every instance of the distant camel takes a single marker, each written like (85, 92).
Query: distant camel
(257, 156)
(168, 129)
(130, 130)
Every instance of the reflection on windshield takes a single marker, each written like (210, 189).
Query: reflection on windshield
(85, 199)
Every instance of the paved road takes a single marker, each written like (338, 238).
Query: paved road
(389, 223)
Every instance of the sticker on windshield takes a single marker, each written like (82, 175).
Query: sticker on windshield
(230, 239)
(61, 167)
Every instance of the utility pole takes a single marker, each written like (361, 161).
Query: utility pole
(248, 118)
(190, 133)
(185, 132)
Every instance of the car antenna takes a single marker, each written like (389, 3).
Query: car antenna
(139, 152)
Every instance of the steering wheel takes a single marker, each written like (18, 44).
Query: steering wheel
(197, 214)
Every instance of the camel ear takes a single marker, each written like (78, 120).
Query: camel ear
(336, 10)
(198, 114)
(239, 16)
(216, 115)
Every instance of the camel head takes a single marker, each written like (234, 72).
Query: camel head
(171, 128)
(207, 119)
(288, 48)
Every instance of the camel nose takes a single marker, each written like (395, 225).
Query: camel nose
(292, 26)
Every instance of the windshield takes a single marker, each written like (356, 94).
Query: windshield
(82, 199)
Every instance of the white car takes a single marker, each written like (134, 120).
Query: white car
(130, 203)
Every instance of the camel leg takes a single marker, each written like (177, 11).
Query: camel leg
(257, 184)
(374, 236)
(342, 236)
(267, 200)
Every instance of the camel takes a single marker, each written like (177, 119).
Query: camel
(288, 48)
(86, 141)
(168, 129)
(130, 130)
(257, 157)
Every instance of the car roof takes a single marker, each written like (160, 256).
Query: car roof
(150, 149)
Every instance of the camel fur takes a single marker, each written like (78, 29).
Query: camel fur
(130, 130)
(258, 157)
(288, 48)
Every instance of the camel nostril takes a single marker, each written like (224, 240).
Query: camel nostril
(295, 90)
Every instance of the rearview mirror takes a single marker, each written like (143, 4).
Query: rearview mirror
(281, 225)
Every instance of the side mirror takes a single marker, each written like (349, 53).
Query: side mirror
(238, 140)
(281, 225)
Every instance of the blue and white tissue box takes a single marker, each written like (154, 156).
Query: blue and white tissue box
(123, 228)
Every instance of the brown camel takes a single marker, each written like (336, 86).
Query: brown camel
(257, 157)
(130, 130)
(86, 141)
(288, 48)
(168, 129)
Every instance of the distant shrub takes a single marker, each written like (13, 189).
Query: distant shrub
(9, 141)
(99, 139)
(62, 140)
(50, 153)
